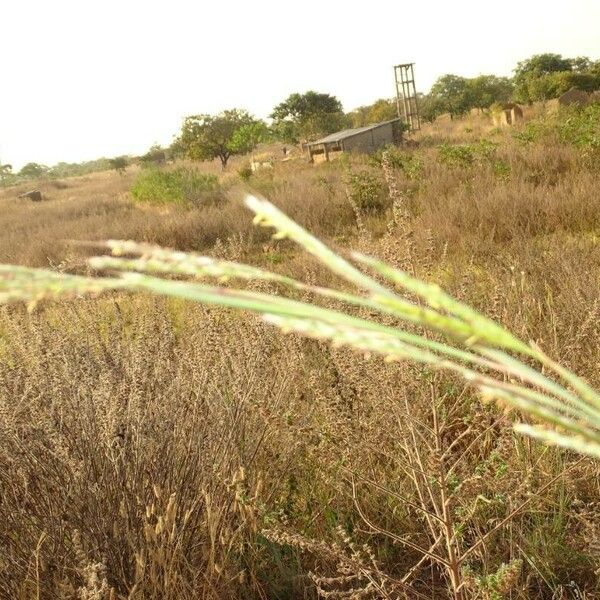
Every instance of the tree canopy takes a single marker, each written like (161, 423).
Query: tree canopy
(206, 137)
(545, 76)
(450, 94)
(484, 90)
(383, 109)
(33, 170)
(307, 116)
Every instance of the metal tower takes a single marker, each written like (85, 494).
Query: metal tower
(406, 96)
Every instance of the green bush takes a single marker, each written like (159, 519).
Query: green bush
(367, 191)
(581, 127)
(464, 155)
(461, 155)
(245, 172)
(179, 186)
(410, 163)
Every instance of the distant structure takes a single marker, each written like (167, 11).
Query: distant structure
(34, 195)
(262, 161)
(406, 96)
(574, 97)
(508, 115)
(362, 139)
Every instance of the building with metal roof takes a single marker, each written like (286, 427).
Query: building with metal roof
(361, 139)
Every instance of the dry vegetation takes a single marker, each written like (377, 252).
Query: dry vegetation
(155, 449)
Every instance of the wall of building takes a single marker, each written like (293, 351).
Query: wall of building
(369, 141)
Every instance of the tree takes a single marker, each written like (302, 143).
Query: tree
(155, 157)
(541, 64)
(485, 90)
(554, 84)
(119, 164)
(381, 110)
(5, 171)
(247, 137)
(33, 170)
(206, 137)
(450, 94)
(308, 116)
(545, 76)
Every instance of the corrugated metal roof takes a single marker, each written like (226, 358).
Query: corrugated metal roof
(347, 133)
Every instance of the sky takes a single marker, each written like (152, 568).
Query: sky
(81, 79)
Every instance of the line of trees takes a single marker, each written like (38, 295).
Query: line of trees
(311, 115)
(539, 78)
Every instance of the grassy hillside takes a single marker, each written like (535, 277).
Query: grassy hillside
(157, 449)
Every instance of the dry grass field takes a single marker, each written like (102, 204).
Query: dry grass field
(156, 449)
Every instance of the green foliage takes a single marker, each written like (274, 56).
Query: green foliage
(552, 85)
(33, 171)
(308, 116)
(367, 192)
(155, 157)
(450, 94)
(248, 136)
(63, 169)
(430, 107)
(482, 152)
(178, 186)
(545, 76)
(533, 131)
(542, 64)
(119, 164)
(245, 172)
(459, 155)
(581, 127)
(484, 90)
(381, 110)
(498, 585)
(206, 137)
(411, 163)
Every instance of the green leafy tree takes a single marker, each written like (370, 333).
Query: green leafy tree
(541, 64)
(595, 69)
(247, 137)
(545, 76)
(381, 110)
(430, 107)
(206, 137)
(450, 94)
(308, 116)
(33, 170)
(485, 90)
(119, 164)
(155, 157)
(581, 64)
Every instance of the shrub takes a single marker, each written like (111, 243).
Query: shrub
(582, 127)
(410, 163)
(464, 155)
(119, 164)
(245, 172)
(179, 186)
(461, 155)
(367, 191)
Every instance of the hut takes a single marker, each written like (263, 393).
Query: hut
(506, 115)
(34, 195)
(361, 139)
(574, 97)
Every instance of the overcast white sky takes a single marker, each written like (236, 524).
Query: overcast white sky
(82, 79)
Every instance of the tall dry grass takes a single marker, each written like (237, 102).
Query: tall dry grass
(157, 449)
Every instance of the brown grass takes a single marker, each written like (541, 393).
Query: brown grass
(154, 449)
